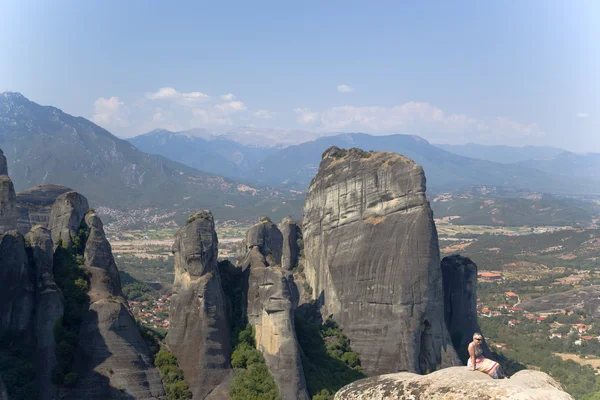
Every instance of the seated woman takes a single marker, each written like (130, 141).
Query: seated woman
(477, 362)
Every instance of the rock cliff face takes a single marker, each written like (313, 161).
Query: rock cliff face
(66, 216)
(112, 359)
(3, 164)
(459, 276)
(262, 246)
(454, 383)
(3, 394)
(8, 205)
(372, 259)
(49, 308)
(199, 330)
(291, 233)
(34, 205)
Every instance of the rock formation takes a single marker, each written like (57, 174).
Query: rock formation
(49, 309)
(291, 233)
(112, 358)
(3, 164)
(66, 216)
(372, 259)
(459, 276)
(17, 284)
(3, 394)
(199, 330)
(586, 299)
(262, 246)
(8, 205)
(454, 383)
(34, 205)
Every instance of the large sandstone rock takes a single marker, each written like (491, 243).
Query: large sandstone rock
(271, 305)
(49, 308)
(459, 276)
(34, 205)
(264, 238)
(454, 383)
(112, 358)
(199, 329)
(8, 205)
(372, 259)
(17, 285)
(291, 233)
(66, 216)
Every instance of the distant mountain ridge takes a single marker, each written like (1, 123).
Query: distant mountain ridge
(502, 154)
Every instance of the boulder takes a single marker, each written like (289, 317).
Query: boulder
(66, 216)
(266, 238)
(8, 205)
(49, 309)
(372, 259)
(291, 232)
(454, 383)
(34, 205)
(459, 276)
(199, 329)
(271, 305)
(112, 359)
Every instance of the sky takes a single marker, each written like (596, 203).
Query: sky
(515, 73)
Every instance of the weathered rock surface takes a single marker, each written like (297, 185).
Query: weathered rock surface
(49, 308)
(8, 205)
(372, 259)
(112, 359)
(66, 216)
(585, 299)
(453, 384)
(17, 284)
(263, 239)
(291, 232)
(34, 205)
(3, 164)
(271, 307)
(459, 276)
(3, 394)
(199, 330)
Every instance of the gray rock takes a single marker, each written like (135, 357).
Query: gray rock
(8, 205)
(459, 276)
(112, 358)
(271, 307)
(3, 394)
(66, 216)
(199, 329)
(17, 285)
(49, 308)
(454, 383)
(3, 164)
(372, 259)
(586, 299)
(264, 236)
(291, 233)
(34, 205)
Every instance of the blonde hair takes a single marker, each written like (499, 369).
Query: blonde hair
(477, 335)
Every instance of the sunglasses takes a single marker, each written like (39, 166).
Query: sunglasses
(478, 339)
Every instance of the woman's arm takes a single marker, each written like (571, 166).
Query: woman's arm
(472, 355)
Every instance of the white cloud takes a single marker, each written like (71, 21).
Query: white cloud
(582, 115)
(110, 112)
(170, 93)
(230, 107)
(345, 89)
(305, 116)
(264, 114)
(227, 97)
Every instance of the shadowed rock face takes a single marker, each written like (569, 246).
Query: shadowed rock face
(263, 239)
(17, 284)
(34, 205)
(49, 308)
(3, 164)
(291, 232)
(112, 359)
(372, 258)
(66, 216)
(271, 307)
(199, 330)
(459, 275)
(3, 394)
(454, 383)
(8, 205)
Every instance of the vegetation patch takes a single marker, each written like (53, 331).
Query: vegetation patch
(172, 376)
(327, 357)
(16, 366)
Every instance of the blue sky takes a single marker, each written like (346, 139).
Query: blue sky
(487, 72)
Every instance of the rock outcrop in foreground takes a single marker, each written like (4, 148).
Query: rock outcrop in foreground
(199, 331)
(459, 276)
(34, 205)
(372, 259)
(290, 253)
(66, 216)
(454, 383)
(8, 205)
